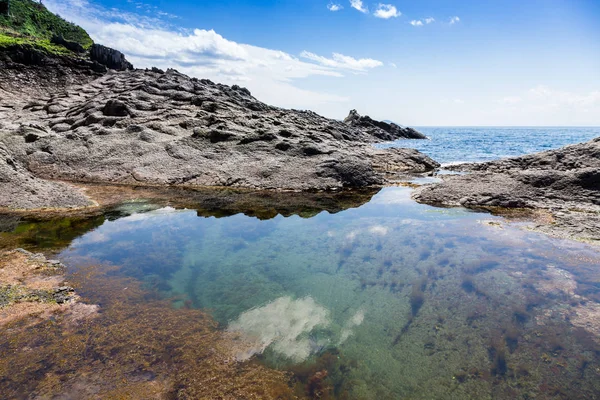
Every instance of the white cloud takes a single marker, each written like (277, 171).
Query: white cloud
(393, 65)
(334, 7)
(386, 11)
(270, 74)
(429, 20)
(556, 98)
(454, 20)
(416, 23)
(546, 106)
(340, 61)
(458, 101)
(358, 5)
(511, 100)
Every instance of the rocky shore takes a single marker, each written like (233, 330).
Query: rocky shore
(33, 286)
(164, 128)
(563, 184)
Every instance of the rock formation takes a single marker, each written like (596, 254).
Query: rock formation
(380, 129)
(564, 182)
(111, 58)
(165, 128)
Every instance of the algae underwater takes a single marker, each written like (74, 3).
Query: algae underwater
(379, 297)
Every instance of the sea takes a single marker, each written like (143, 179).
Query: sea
(477, 144)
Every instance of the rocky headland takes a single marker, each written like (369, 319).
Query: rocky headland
(562, 186)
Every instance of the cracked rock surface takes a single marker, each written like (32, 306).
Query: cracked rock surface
(165, 128)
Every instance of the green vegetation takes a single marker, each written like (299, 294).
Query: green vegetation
(41, 44)
(30, 23)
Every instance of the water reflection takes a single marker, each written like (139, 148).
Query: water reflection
(391, 299)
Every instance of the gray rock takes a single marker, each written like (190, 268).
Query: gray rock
(565, 183)
(380, 129)
(164, 128)
(115, 108)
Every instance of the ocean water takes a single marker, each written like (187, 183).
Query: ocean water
(476, 144)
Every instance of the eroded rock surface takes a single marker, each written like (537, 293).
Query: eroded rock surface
(565, 182)
(165, 128)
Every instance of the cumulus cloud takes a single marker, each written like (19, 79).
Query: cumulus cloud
(393, 65)
(429, 20)
(340, 61)
(416, 22)
(269, 73)
(386, 11)
(334, 7)
(356, 320)
(454, 20)
(358, 5)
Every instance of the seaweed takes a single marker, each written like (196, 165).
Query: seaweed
(137, 347)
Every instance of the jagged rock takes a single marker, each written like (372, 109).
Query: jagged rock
(165, 128)
(381, 130)
(28, 73)
(111, 58)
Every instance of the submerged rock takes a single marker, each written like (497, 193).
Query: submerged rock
(32, 287)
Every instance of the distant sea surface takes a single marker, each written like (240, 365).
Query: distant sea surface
(473, 144)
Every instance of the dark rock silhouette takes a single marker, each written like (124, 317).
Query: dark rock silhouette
(111, 58)
(380, 129)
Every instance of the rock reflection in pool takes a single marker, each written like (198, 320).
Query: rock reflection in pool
(453, 306)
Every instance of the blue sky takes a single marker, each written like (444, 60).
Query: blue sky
(425, 62)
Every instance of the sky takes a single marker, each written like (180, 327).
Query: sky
(419, 63)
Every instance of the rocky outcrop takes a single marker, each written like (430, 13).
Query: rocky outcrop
(563, 182)
(67, 44)
(27, 72)
(165, 128)
(381, 130)
(111, 58)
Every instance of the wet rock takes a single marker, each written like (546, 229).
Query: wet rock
(564, 182)
(63, 294)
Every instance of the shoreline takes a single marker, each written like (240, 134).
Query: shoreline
(103, 197)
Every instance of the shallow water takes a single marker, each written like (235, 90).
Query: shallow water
(475, 144)
(393, 299)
